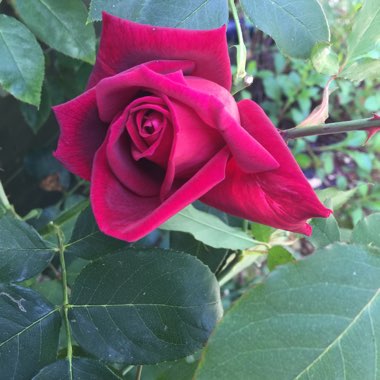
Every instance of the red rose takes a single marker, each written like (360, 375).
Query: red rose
(158, 129)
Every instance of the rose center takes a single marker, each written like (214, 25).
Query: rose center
(151, 122)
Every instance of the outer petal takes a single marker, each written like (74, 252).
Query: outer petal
(250, 154)
(127, 216)
(281, 198)
(82, 133)
(125, 44)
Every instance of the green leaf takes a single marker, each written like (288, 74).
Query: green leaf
(338, 198)
(144, 306)
(61, 25)
(367, 232)
(212, 257)
(295, 25)
(325, 231)
(364, 36)
(29, 332)
(52, 290)
(81, 369)
(23, 252)
(365, 68)
(278, 256)
(183, 369)
(36, 117)
(22, 61)
(88, 242)
(316, 319)
(262, 232)
(208, 229)
(324, 59)
(196, 14)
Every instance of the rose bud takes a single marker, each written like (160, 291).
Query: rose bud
(157, 129)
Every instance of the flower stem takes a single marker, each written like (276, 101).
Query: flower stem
(138, 372)
(61, 247)
(331, 128)
(241, 79)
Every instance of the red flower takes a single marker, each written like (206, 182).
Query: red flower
(158, 129)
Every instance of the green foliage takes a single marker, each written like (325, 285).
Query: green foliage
(296, 26)
(208, 229)
(29, 332)
(278, 256)
(119, 316)
(324, 59)
(22, 61)
(87, 241)
(77, 369)
(23, 253)
(61, 25)
(307, 320)
(193, 14)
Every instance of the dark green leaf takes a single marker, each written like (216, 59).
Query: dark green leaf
(51, 289)
(144, 306)
(23, 252)
(367, 232)
(88, 242)
(316, 319)
(295, 25)
(36, 117)
(22, 61)
(28, 334)
(196, 14)
(80, 369)
(208, 229)
(61, 25)
(183, 369)
(278, 256)
(212, 257)
(325, 231)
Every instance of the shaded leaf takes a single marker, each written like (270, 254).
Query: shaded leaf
(325, 231)
(61, 25)
(88, 242)
(196, 14)
(278, 256)
(144, 306)
(367, 232)
(36, 117)
(295, 25)
(80, 369)
(212, 257)
(23, 252)
(208, 229)
(316, 319)
(22, 61)
(29, 332)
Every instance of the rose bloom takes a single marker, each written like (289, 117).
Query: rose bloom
(157, 129)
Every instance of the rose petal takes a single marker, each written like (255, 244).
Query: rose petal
(82, 133)
(212, 103)
(125, 44)
(281, 198)
(125, 215)
(141, 177)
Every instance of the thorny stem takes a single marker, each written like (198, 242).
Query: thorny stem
(61, 247)
(331, 128)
